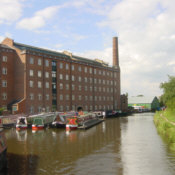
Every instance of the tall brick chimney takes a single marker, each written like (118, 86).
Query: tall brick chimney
(115, 52)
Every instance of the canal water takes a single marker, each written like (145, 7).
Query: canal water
(119, 146)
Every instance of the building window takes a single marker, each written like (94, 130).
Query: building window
(47, 63)
(103, 89)
(99, 81)
(95, 80)
(86, 108)
(85, 88)
(79, 87)
(90, 107)
(61, 108)
(61, 97)
(67, 108)
(47, 109)
(47, 74)
(54, 86)
(95, 88)
(31, 73)
(67, 86)
(47, 96)
(61, 76)
(90, 88)
(79, 97)
(4, 71)
(4, 58)
(31, 109)
(39, 62)
(95, 98)
(85, 79)
(39, 109)
(67, 97)
(4, 96)
(86, 98)
(31, 83)
(31, 96)
(39, 73)
(73, 78)
(99, 89)
(99, 72)
(67, 66)
(95, 71)
(73, 67)
(85, 69)
(39, 97)
(90, 70)
(61, 85)
(39, 84)
(53, 74)
(91, 98)
(67, 77)
(47, 84)
(31, 60)
(61, 65)
(73, 107)
(79, 68)
(4, 83)
(73, 87)
(79, 79)
(73, 97)
(103, 72)
(90, 80)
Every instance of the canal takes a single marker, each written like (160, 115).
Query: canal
(119, 146)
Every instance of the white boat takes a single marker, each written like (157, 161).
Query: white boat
(21, 123)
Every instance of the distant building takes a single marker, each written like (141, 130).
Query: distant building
(150, 103)
(35, 79)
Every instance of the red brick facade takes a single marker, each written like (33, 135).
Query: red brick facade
(42, 79)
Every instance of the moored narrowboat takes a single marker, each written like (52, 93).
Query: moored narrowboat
(38, 123)
(21, 123)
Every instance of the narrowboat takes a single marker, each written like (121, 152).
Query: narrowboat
(21, 123)
(59, 121)
(3, 152)
(71, 123)
(38, 123)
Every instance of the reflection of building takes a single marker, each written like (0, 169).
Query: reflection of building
(33, 79)
(151, 103)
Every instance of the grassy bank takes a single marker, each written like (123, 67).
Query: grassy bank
(165, 123)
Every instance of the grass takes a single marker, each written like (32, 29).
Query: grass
(165, 128)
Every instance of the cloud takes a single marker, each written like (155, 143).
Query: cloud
(39, 19)
(10, 11)
(146, 42)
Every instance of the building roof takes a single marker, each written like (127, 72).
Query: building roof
(60, 54)
(140, 99)
(5, 46)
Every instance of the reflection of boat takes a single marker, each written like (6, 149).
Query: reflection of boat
(3, 150)
(21, 123)
(21, 135)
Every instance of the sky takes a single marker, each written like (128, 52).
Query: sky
(145, 30)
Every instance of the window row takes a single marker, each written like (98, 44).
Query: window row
(38, 61)
(38, 109)
(39, 84)
(39, 73)
(86, 98)
(38, 96)
(86, 88)
(86, 107)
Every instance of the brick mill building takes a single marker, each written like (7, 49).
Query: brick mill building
(33, 79)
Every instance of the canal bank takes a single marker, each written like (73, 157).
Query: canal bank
(165, 124)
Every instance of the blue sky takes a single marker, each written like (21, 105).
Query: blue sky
(146, 31)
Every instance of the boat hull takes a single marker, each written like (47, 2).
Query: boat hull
(37, 127)
(20, 127)
(71, 127)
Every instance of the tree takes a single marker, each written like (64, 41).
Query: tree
(168, 96)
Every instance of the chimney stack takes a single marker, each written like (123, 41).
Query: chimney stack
(115, 52)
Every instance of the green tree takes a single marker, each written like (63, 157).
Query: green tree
(168, 96)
